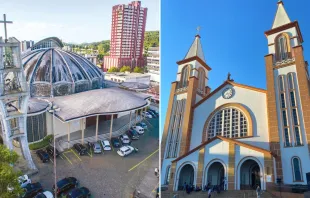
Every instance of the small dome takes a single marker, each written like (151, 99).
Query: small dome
(53, 71)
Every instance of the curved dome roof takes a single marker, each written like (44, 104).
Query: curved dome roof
(55, 72)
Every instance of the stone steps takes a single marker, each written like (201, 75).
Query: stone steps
(223, 194)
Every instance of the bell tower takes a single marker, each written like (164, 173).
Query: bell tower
(288, 89)
(189, 88)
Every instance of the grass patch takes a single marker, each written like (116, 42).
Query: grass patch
(41, 144)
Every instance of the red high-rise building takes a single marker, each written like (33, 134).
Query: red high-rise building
(127, 36)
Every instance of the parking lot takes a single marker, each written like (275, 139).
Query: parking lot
(108, 174)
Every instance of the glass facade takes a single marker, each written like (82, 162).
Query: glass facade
(36, 127)
(52, 71)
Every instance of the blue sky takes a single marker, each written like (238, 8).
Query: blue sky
(232, 35)
(70, 20)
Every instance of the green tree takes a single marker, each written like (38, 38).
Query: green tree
(138, 70)
(8, 176)
(100, 57)
(125, 68)
(113, 69)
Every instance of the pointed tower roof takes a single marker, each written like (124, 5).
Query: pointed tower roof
(281, 17)
(195, 49)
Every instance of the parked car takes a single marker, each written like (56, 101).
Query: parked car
(124, 139)
(45, 194)
(31, 190)
(125, 150)
(96, 147)
(65, 185)
(50, 151)
(146, 114)
(106, 145)
(142, 124)
(90, 145)
(133, 134)
(24, 180)
(139, 129)
(152, 113)
(82, 192)
(80, 148)
(43, 155)
(115, 142)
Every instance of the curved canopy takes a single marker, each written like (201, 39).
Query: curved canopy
(98, 102)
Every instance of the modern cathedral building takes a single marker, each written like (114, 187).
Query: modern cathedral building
(246, 135)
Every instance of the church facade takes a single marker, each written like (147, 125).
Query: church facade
(245, 135)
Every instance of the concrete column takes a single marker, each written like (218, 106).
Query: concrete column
(136, 117)
(26, 151)
(68, 134)
(129, 120)
(97, 120)
(111, 127)
(83, 128)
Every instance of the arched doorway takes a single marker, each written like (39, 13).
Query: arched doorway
(187, 175)
(215, 174)
(250, 175)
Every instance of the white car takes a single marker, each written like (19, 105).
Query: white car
(147, 114)
(24, 180)
(125, 150)
(139, 129)
(125, 139)
(45, 194)
(106, 145)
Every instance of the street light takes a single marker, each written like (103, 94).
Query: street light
(53, 109)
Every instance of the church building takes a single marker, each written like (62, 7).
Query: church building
(243, 134)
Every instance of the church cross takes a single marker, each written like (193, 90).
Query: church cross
(198, 30)
(5, 22)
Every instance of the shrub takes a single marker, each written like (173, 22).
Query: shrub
(41, 144)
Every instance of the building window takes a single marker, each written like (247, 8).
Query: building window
(202, 79)
(228, 122)
(168, 173)
(282, 47)
(294, 108)
(297, 171)
(185, 74)
(175, 128)
(283, 106)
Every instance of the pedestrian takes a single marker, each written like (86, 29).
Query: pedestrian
(156, 171)
(258, 191)
(225, 183)
(209, 193)
(184, 186)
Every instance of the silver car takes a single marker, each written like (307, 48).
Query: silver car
(97, 147)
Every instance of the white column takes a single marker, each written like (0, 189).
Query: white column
(97, 120)
(111, 126)
(68, 134)
(83, 128)
(129, 120)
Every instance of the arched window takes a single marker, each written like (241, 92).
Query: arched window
(283, 107)
(282, 47)
(168, 172)
(202, 80)
(297, 171)
(185, 76)
(294, 108)
(228, 122)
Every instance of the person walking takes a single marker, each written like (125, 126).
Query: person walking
(225, 183)
(209, 192)
(184, 186)
(156, 171)
(258, 191)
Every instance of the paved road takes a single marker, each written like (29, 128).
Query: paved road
(109, 175)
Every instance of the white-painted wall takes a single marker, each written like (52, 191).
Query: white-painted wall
(61, 128)
(253, 101)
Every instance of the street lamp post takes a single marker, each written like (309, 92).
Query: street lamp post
(54, 109)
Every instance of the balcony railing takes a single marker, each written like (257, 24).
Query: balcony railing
(284, 58)
(13, 87)
(181, 89)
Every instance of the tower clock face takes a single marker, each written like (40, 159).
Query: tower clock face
(228, 93)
